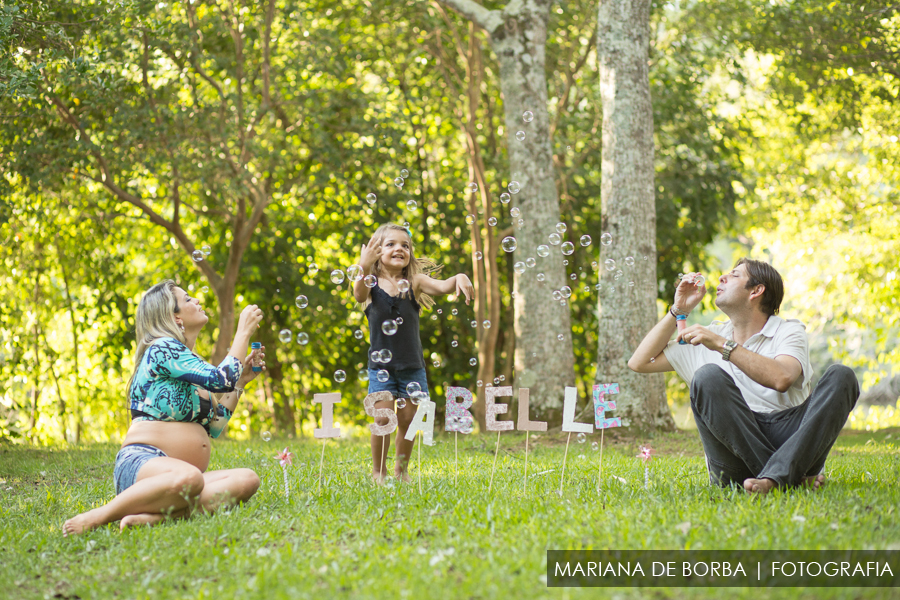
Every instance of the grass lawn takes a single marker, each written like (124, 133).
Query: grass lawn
(454, 539)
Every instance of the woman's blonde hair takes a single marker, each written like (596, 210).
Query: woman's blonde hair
(154, 319)
(416, 266)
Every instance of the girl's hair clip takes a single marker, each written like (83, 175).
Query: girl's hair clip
(408, 232)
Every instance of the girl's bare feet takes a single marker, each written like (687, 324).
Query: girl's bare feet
(149, 519)
(83, 522)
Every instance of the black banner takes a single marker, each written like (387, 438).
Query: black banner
(723, 568)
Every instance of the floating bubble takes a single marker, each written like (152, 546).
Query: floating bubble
(266, 436)
(557, 295)
(382, 375)
(519, 267)
(530, 262)
(478, 255)
(508, 244)
(582, 438)
(401, 403)
(503, 378)
(301, 301)
(470, 219)
(594, 446)
(561, 337)
(586, 289)
(610, 264)
(630, 284)
(386, 356)
(472, 187)
(467, 428)
(496, 381)
(454, 312)
(363, 375)
(566, 291)
(389, 327)
(540, 276)
(206, 250)
(567, 248)
(619, 273)
(398, 181)
(302, 338)
(404, 173)
(417, 397)
(473, 361)
(434, 317)
(514, 187)
(595, 265)
(543, 250)
(337, 277)
(606, 239)
(358, 334)
(629, 260)
(479, 383)
(312, 269)
(520, 222)
(436, 364)
(645, 257)
(411, 205)
(197, 255)
(528, 116)
(439, 311)
(505, 198)
(371, 198)
(585, 240)
(204, 289)
(370, 281)
(554, 239)
(413, 386)
(573, 276)
(285, 336)
(486, 324)
(454, 343)
(520, 135)
(354, 273)
(561, 227)
(403, 286)
(492, 221)
(514, 212)
(340, 376)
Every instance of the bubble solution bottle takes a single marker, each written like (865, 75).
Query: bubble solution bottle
(681, 323)
(256, 346)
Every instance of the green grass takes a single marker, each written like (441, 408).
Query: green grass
(352, 539)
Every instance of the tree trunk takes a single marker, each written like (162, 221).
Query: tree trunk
(544, 363)
(628, 212)
(76, 406)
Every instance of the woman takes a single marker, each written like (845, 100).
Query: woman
(161, 469)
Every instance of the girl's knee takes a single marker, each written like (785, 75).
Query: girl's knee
(187, 481)
(250, 483)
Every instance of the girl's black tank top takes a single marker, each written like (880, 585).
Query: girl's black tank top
(405, 345)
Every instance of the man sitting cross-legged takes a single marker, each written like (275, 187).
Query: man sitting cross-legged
(750, 380)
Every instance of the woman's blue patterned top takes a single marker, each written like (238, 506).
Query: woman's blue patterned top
(166, 382)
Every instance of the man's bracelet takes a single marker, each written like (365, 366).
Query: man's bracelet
(676, 313)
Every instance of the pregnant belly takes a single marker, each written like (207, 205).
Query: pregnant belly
(184, 441)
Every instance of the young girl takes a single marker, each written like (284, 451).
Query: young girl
(401, 287)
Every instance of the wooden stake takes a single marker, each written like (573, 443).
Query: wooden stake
(456, 454)
(525, 480)
(494, 466)
(419, 435)
(600, 471)
(383, 467)
(322, 461)
(562, 476)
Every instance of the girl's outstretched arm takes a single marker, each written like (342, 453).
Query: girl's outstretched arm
(458, 284)
(367, 257)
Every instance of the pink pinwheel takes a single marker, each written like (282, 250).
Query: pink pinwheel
(285, 458)
(645, 454)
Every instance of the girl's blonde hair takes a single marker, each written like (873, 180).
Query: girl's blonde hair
(154, 319)
(416, 266)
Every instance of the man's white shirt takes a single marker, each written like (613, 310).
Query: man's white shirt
(779, 337)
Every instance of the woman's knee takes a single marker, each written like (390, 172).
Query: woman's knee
(250, 483)
(187, 481)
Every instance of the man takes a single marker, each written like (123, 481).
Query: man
(750, 380)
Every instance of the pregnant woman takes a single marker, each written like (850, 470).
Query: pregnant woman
(160, 471)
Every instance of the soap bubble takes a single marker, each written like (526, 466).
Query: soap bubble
(467, 428)
(561, 227)
(566, 291)
(454, 312)
(520, 135)
(340, 376)
(554, 239)
(302, 338)
(454, 343)
(337, 277)
(363, 375)
(595, 265)
(567, 248)
(371, 198)
(630, 284)
(197, 255)
(540, 276)
(354, 273)
(486, 324)
(382, 375)
(581, 437)
(573, 276)
(528, 116)
(474, 323)
(629, 260)
(594, 446)
(508, 244)
(521, 222)
(417, 397)
(370, 281)
(401, 403)
(530, 262)
(389, 327)
(478, 255)
(436, 364)
(206, 250)
(606, 239)
(557, 295)
(301, 301)
(285, 336)
(619, 273)
(645, 257)
(404, 173)
(358, 334)
(312, 269)
(411, 205)
(513, 187)
(610, 264)
(266, 436)
(585, 240)
(479, 383)
(403, 286)
(543, 250)
(473, 361)
(470, 219)
(472, 187)
(204, 289)
(514, 212)
(412, 387)
(519, 267)
(492, 221)
(386, 356)
(505, 198)
(561, 337)
(398, 181)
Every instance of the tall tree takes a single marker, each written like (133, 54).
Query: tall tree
(628, 209)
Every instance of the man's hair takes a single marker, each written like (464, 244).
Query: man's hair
(762, 273)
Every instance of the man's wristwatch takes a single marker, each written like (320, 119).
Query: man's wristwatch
(727, 348)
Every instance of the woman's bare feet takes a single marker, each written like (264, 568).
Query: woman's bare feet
(84, 522)
(378, 478)
(148, 519)
(403, 477)
(759, 486)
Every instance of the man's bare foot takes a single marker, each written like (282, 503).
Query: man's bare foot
(759, 486)
(813, 482)
(83, 522)
(149, 519)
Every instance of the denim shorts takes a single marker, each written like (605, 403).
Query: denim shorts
(398, 381)
(129, 461)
